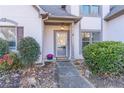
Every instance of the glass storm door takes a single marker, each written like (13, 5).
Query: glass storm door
(61, 43)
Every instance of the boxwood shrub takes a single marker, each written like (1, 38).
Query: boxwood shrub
(105, 58)
(4, 47)
(29, 50)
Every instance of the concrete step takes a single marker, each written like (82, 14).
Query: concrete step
(62, 59)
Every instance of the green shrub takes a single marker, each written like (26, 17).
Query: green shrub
(4, 67)
(29, 50)
(5, 62)
(10, 61)
(4, 47)
(105, 58)
(17, 63)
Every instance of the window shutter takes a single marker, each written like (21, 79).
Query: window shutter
(20, 33)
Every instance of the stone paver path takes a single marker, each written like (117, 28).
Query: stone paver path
(69, 77)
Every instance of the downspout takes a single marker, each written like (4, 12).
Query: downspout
(80, 36)
(44, 18)
(102, 20)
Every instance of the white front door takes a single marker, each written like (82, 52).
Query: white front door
(61, 43)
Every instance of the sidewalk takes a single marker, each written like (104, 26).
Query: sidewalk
(68, 77)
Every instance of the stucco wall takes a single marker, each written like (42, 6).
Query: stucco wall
(115, 29)
(86, 22)
(93, 23)
(77, 54)
(105, 11)
(75, 10)
(26, 16)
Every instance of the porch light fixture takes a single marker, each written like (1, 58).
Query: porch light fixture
(62, 27)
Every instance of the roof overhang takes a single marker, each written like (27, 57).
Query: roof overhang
(39, 9)
(46, 16)
(67, 18)
(115, 15)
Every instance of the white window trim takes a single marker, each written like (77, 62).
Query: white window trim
(11, 23)
(90, 39)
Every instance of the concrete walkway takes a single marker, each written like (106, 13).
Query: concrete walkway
(69, 77)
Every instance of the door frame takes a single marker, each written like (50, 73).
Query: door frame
(68, 40)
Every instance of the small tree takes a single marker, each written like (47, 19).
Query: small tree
(29, 50)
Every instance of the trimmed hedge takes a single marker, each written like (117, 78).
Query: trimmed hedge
(29, 50)
(4, 47)
(105, 58)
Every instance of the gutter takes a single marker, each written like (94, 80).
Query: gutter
(115, 15)
(45, 16)
(41, 12)
(75, 19)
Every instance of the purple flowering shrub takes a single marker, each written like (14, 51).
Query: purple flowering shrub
(50, 56)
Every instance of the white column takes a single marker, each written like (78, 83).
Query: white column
(77, 54)
(71, 36)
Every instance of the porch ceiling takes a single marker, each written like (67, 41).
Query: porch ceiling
(56, 23)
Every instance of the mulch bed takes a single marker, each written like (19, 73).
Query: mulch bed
(100, 81)
(10, 79)
(33, 77)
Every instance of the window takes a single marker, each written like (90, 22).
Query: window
(85, 9)
(90, 37)
(90, 10)
(95, 10)
(85, 38)
(95, 36)
(9, 34)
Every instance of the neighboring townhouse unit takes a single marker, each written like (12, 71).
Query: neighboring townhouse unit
(115, 24)
(90, 25)
(18, 21)
(62, 30)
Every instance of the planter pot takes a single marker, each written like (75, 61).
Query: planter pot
(49, 58)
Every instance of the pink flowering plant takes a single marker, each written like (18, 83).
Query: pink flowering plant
(5, 62)
(50, 56)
